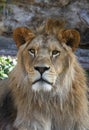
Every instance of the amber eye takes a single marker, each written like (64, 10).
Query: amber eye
(55, 53)
(32, 52)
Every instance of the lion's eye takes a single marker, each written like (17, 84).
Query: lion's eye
(55, 53)
(32, 52)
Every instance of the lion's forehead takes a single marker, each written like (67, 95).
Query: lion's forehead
(46, 41)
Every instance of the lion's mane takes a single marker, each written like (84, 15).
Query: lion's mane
(68, 109)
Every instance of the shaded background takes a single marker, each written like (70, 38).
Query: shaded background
(33, 13)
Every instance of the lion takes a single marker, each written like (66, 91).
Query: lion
(47, 87)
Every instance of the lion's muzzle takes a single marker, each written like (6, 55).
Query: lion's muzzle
(43, 82)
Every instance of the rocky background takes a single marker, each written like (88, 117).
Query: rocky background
(33, 13)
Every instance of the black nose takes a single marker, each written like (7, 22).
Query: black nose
(41, 70)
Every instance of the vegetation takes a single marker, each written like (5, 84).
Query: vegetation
(6, 65)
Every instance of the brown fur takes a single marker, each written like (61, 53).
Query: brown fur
(65, 106)
(7, 108)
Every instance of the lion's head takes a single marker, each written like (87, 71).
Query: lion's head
(47, 58)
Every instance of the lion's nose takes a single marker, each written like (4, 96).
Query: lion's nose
(41, 70)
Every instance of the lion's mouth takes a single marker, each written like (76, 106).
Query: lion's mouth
(42, 81)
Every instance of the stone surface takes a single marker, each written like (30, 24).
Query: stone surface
(83, 57)
(7, 46)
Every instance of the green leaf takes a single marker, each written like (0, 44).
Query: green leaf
(6, 65)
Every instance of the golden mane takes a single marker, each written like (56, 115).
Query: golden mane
(27, 100)
(65, 107)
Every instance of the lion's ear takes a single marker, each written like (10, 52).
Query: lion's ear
(21, 35)
(71, 37)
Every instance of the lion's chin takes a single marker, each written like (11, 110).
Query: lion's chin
(41, 86)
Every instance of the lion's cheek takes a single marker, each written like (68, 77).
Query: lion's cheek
(62, 65)
(33, 76)
(59, 68)
(51, 77)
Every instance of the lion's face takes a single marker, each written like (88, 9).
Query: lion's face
(45, 60)
(46, 57)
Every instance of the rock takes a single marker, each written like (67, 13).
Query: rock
(7, 46)
(2, 28)
(83, 57)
